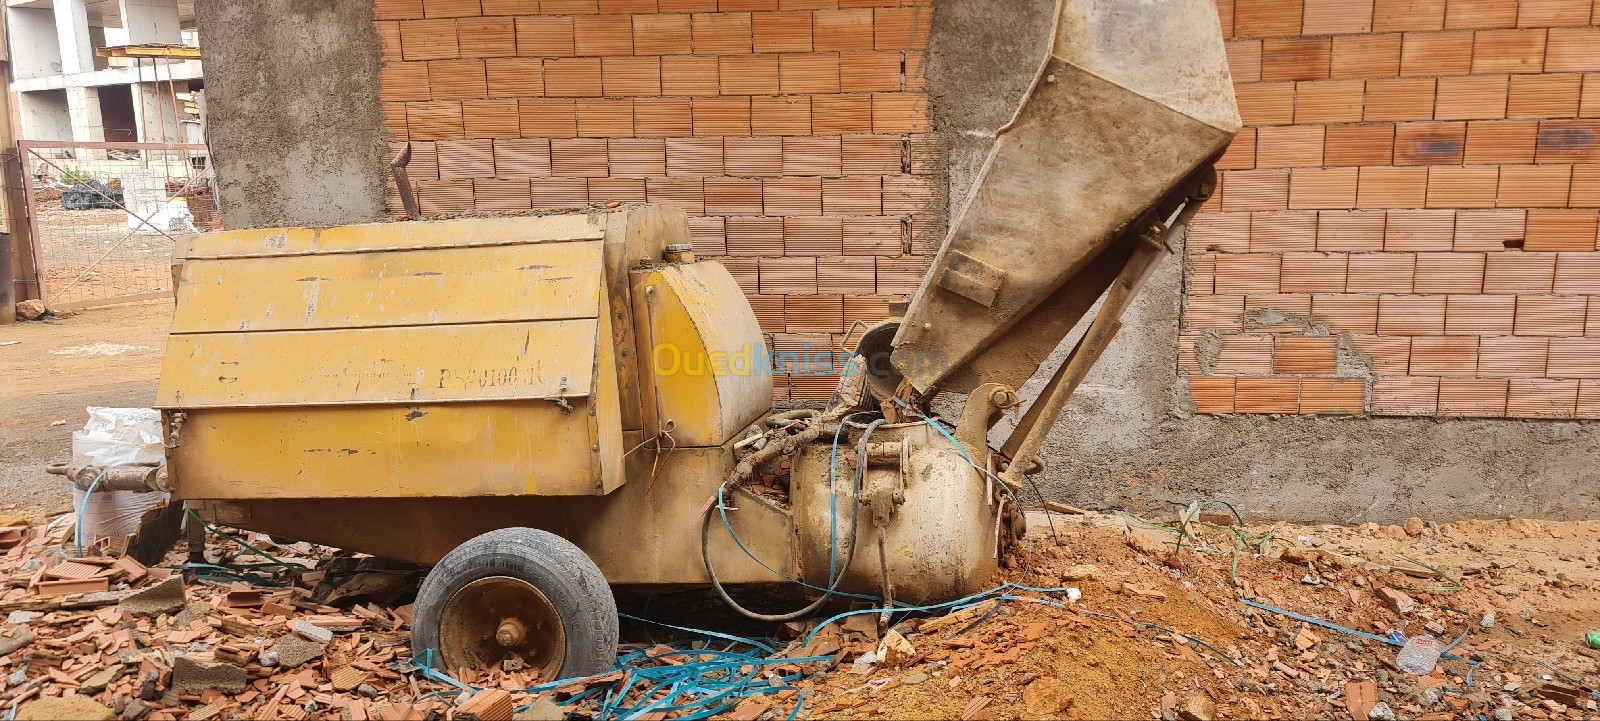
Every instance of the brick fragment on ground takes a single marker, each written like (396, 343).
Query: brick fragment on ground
(166, 596)
(293, 651)
(191, 677)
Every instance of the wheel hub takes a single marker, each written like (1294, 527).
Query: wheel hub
(498, 618)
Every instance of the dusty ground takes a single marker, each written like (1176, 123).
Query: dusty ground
(56, 368)
(1539, 579)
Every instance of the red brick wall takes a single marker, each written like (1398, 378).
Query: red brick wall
(793, 132)
(1419, 181)
(1416, 191)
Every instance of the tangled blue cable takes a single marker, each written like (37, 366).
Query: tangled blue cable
(711, 681)
(833, 528)
(715, 681)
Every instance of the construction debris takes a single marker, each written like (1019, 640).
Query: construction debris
(164, 597)
(101, 679)
(1154, 632)
(15, 640)
(487, 705)
(895, 651)
(1158, 634)
(1419, 656)
(1397, 601)
(192, 677)
(312, 633)
(293, 651)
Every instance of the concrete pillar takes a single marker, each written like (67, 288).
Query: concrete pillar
(35, 51)
(83, 104)
(153, 107)
(72, 32)
(151, 21)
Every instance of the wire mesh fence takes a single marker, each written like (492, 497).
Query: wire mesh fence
(105, 216)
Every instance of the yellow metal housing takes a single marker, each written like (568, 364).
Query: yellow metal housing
(705, 350)
(462, 358)
(647, 532)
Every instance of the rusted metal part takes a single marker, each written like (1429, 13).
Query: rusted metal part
(851, 394)
(680, 253)
(402, 181)
(983, 409)
(158, 530)
(885, 451)
(780, 443)
(116, 478)
(499, 618)
(1132, 100)
(884, 492)
(876, 349)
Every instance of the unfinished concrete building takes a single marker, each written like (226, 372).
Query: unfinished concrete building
(73, 84)
(1389, 309)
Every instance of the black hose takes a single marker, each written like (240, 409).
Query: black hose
(833, 583)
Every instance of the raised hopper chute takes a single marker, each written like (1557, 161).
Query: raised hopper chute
(1109, 153)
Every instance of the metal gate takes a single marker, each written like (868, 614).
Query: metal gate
(105, 216)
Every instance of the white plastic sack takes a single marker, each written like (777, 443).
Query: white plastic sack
(116, 436)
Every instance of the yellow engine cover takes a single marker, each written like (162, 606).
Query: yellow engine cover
(455, 358)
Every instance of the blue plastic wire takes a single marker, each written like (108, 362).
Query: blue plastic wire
(703, 632)
(716, 681)
(1471, 664)
(711, 682)
(998, 593)
(833, 528)
(964, 454)
(77, 531)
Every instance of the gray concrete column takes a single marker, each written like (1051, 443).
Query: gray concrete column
(72, 33)
(83, 104)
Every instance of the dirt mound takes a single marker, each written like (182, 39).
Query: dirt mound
(1161, 630)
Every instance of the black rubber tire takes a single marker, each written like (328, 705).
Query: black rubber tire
(550, 563)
